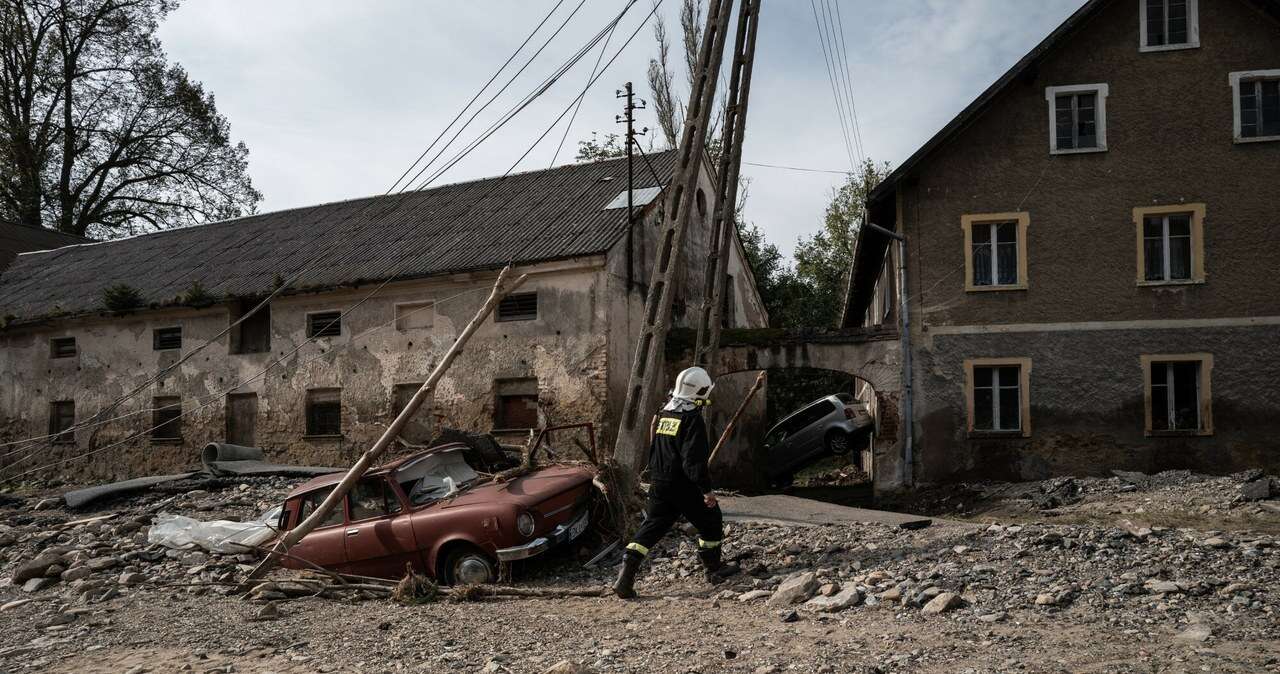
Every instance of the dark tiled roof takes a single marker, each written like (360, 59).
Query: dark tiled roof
(16, 239)
(528, 217)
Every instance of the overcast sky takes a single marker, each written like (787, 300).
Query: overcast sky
(336, 98)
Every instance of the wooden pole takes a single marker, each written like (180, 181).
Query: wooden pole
(368, 459)
(733, 420)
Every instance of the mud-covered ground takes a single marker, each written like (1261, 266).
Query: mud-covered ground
(1113, 593)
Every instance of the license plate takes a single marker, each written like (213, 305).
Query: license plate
(577, 528)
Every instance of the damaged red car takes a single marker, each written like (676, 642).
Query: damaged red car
(434, 511)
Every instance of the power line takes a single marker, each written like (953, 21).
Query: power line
(853, 107)
(844, 129)
(569, 127)
(796, 168)
(839, 66)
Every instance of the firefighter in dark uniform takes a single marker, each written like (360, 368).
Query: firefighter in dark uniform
(679, 482)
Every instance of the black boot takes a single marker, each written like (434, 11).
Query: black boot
(711, 565)
(624, 587)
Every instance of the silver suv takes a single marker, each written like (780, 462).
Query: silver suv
(827, 425)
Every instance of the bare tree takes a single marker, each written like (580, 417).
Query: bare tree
(99, 134)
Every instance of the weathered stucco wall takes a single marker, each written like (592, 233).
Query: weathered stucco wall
(564, 348)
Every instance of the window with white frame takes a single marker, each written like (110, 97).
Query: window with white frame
(1077, 118)
(1169, 24)
(1256, 96)
(998, 395)
(1177, 395)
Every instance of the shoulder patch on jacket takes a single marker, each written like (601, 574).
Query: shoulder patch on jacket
(668, 426)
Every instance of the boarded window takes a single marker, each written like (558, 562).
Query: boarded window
(1166, 243)
(518, 307)
(516, 404)
(62, 347)
(415, 316)
(254, 334)
(164, 339)
(1167, 22)
(995, 253)
(997, 398)
(324, 324)
(62, 416)
(418, 430)
(166, 418)
(1076, 119)
(242, 419)
(1260, 108)
(1175, 396)
(324, 411)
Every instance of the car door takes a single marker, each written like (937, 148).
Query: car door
(809, 436)
(324, 546)
(379, 536)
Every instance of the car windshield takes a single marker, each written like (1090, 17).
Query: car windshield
(435, 476)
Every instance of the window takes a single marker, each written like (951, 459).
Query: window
(518, 307)
(163, 339)
(166, 418)
(1177, 394)
(372, 498)
(418, 430)
(324, 324)
(515, 404)
(254, 334)
(999, 396)
(1256, 96)
(311, 502)
(1170, 244)
(324, 412)
(728, 304)
(62, 347)
(1169, 24)
(1077, 118)
(62, 416)
(415, 316)
(995, 251)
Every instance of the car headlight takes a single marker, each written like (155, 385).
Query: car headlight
(524, 524)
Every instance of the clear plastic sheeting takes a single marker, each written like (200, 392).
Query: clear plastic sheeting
(223, 536)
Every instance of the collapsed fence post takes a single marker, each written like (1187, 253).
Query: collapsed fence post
(366, 460)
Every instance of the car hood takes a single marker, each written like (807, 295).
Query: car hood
(528, 490)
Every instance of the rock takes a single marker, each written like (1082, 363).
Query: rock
(892, 594)
(36, 568)
(1046, 599)
(992, 617)
(788, 616)
(1215, 542)
(1257, 490)
(753, 595)
(1197, 634)
(269, 611)
(76, 573)
(63, 618)
(1133, 477)
(1163, 587)
(132, 578)
(840, 601)
(795, 589)
(15, 604)
(103, 563)
(942, 603)
(828, 589)
(568, 667)
(37, 584)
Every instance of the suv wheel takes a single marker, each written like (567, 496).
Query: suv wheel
(838, 443)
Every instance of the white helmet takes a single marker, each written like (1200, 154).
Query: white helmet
(693, 384)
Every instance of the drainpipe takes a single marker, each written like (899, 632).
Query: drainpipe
(904, 323)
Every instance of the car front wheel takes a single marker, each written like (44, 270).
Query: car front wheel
(468, 566)
(838, 443)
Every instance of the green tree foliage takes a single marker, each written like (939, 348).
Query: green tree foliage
(595, 149)
(99, 134)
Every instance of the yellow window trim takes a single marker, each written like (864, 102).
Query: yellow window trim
(1197, 212)
(1206, 393)
(1024, 394)
(967, 222)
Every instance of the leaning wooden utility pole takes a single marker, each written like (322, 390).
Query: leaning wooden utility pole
(368, 459)
(711, 317)
(646, 368)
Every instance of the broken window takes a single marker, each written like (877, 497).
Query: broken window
(1259, 107)
(415, 316)
(62, 347)
(164, 339)
(1076, 121)
(516, 404)
(324, 412)
(435, 476)
(1166, 242)
(1175, 396)
(254, 334)
(372, 498)
(997, 398)
(518, 307)
(418, 430)
(324, 324)
(311, 502)
(1169, 23)
(166, 418)
(995, 253)
(62, 416)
